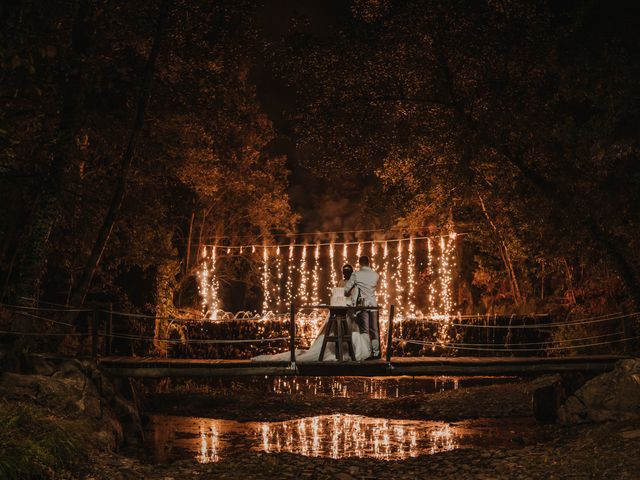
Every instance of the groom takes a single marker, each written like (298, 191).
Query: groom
(366, 281)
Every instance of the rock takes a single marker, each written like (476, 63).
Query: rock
(76, 388)
(613, 396)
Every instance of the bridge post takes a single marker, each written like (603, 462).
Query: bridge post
(292, 335)
(94, 333)
(110, 336)
(389, 349)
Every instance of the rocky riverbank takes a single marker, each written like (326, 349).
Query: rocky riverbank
(74, 391)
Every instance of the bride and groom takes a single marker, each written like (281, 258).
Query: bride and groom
(360, 291)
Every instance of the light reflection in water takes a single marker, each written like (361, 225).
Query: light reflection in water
(208, 444)
(336, 436)
(357, 436)
(355, 387)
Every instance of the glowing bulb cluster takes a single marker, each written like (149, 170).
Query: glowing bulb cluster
(303, 276)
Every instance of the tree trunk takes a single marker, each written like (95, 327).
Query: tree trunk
(165, 288)
(504, 253)
(46, 209)
(80, 291)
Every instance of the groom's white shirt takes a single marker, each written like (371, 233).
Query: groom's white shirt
(366, 281)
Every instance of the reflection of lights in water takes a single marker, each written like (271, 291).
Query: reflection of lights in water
(367, 387)
(337, 436)
(442, 439)
(208, 444)
(356, 436)
(265, 437)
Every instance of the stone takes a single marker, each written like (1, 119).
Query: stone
(612, 396)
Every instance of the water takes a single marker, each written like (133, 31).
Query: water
(347, 387)
(335, 436)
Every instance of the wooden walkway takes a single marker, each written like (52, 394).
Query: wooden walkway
(150, 367)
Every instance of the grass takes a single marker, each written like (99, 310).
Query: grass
(35, 444)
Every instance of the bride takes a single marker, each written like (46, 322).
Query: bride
(361, 341)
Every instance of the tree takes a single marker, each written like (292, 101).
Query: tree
(450, 102)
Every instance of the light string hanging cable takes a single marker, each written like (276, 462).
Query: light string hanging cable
(323, 244)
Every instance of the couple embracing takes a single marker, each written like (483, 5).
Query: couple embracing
(360, 290)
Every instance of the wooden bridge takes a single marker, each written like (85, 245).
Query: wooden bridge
(153, 367)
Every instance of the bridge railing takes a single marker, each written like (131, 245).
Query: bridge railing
(102, 331)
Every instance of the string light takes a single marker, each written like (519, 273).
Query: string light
(278, 283)
(385, 278)
(265, 280)
(315, 284)
(333, 269)
(203, 281)
(398, 283)
(411, 278)
(290, 269)
(431, 299)
(296, 281)
(373, 255)
(303, 295)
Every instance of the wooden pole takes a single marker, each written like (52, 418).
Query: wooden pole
(94, 333)
(110, 339)
(390, 334)
(292, 335)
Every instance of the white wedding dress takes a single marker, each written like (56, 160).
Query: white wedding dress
(361, 349)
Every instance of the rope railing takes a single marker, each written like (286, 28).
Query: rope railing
(586, 321)
(430, 320)
(456, 347)
(517, 347)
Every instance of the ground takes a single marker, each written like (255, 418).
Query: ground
(585, 451)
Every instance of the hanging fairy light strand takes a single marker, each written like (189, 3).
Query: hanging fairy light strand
(411, 278)
(306, 278)
(266, 297)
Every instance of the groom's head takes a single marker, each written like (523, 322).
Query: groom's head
(363, 261)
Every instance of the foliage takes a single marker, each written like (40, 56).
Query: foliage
(34, 444)
(508, 104)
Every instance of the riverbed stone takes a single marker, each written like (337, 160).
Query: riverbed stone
(74, 388)
(612, 396)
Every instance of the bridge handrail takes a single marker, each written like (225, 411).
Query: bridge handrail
(453, 346)
(430, 320)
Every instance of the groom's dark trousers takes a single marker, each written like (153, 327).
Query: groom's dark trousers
(368, 323)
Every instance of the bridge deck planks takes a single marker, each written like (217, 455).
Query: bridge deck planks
(153, 367)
